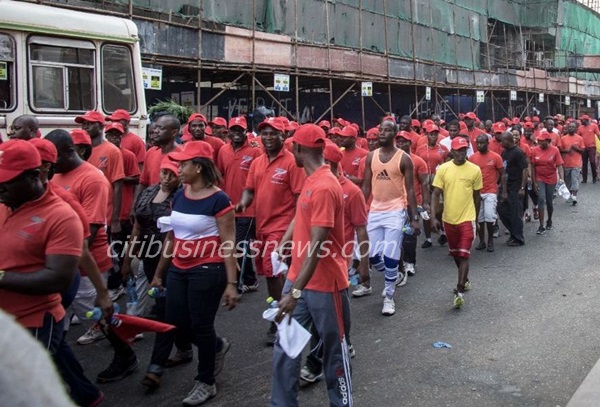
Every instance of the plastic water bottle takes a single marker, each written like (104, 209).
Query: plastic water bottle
(132, 297)
(423, 213)
(272, 302)
(407, 229)
(156, 292)
(353, 276)
(96, 314)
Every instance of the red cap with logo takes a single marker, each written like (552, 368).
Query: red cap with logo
(310, 135)
(332, 152)
(498, 127)
(470, 115)
(324, 123)
(119, 114)
(373, 133)
(92, 116)
(415, 123)
(17, 156)
(274, 122)
(349, 131)
(193, 149)
(197, 116)
(543, 135)
(47, 149)
(168, 164)
(458, 143)
(218, 121)
(239, 121)
(81, 137)
(516, 120)
(404, 135)
(528, 125)
(432, 128)
(114, 126)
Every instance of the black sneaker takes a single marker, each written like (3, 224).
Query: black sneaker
(118, 369)
(442, 240)
(541, 230)
(549, 224)
(426, 244)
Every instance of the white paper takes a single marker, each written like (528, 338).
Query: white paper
(279, 267)
(292, 337)
(164, 224)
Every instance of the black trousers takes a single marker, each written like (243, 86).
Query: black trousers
(511, 214)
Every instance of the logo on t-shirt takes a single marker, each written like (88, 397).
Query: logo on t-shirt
(246, 161)
(103, 162)
(356, 162)
(32, 229)
(278, 176)
(383, 176)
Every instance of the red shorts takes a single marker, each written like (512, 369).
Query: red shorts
(262, 248)
(460, 238)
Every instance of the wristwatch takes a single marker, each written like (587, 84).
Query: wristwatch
(296, 294)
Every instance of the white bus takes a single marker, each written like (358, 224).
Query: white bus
(57, 63)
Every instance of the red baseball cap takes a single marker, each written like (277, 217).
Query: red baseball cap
(390, 118)
(458, 143)
(17, 156)
(584, 117)
(91, 116)
(528, 125)
(462, 126)
(332, 152)
(373, 133)
(349, 131)
(208, 131)
(274, 122)
(81, 137)
(461, 116)
(168, 164)
(498, 127)
(470, 115)
(404, 134)
(543, 135)
(119, 114)
(218, 121)
(310, 135)
(193, 149)
(47, 149)
(334, 131)
(516, 120)
(415, 123)
(324, 123)
(431, 128)
(284, 119)
(114, 126)
(292, 125)
(536, 119)
(527, 119)
(342, 122)
(239, 121)
(197, 116)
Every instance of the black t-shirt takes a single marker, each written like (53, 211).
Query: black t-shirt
(514, 164)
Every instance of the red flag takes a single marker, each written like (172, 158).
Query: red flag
(129, 326)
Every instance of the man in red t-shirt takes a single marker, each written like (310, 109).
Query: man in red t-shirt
(316, 290)
(129, 141)
(352, 153)
(273, 184)
(495, 144)
(572, 147)
(197, 125)
(472, 131)
(492, 168)
(219, 129)
(234, 162)
(589, 132)
(41, 244)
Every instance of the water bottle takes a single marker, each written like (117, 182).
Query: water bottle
(353, 277)
(407, 229)
(272, 302)
(156, 292)
(132, 297)
(423, 213)
(96, 314)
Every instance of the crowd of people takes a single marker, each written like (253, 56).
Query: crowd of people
(209, 208)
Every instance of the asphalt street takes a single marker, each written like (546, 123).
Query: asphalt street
(527, 335)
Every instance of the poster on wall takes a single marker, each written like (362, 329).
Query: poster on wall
(152, 78)
(187, 99)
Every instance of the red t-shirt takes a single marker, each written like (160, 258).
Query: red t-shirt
(495, 146)
(275, 185)
(433, 156)
(362, 143)
(355, 212)
(45, 227)
(361, 168)
(588, 133)
(92, 190)
(235, 166)
(489, 163)
(545, 163)
(215, 142)
(74, 204)
(414, 141)
(321, 204)
(136, 145)
(351, 160)
(473, 134)
(108, 159)
(573, 159)
(131, 170)
(151, 171)
(419, 168)
(288, 144)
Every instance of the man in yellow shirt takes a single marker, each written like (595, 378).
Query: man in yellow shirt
(460, 181)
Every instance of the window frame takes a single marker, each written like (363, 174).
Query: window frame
(65, 43)
(13, 85)
(133, 77)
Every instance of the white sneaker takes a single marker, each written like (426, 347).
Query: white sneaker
(92, 335)
(116, 293)
(402, 279)
(361, 291)
(201, 393)
(410, 268)
(389, 307)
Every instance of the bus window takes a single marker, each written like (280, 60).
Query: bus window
(7, 72)
(62, 74)
(118, 86)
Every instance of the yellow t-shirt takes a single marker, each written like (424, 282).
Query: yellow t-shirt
(458, 183)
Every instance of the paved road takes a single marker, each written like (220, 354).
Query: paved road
(526, 337)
